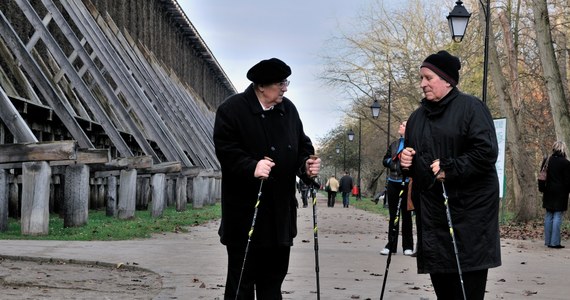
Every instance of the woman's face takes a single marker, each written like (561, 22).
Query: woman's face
(433, 86)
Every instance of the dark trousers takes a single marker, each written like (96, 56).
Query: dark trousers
(448, 286)
(393, 195)
(265, 270)
(331, 199)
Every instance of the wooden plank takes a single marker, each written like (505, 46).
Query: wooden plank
(43, 151)
(14, 121)
(166, 167)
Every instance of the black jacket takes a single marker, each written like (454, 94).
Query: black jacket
(555, 196)
(392, 161)
(243, 134)
(459, 131)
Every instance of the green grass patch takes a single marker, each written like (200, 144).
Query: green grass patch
(368, 205)
(102, 228)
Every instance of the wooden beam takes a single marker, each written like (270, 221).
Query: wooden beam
(43, 151)
(86, 157)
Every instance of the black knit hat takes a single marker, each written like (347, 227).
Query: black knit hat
(444, 65)
(269, 71)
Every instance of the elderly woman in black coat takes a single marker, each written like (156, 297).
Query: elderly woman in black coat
(259, 137)
(451, 141)
(555, 198)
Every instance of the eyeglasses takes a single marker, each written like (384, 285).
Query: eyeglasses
(283, 83)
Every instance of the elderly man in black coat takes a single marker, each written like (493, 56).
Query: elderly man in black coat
(451, 141)
(259, 137)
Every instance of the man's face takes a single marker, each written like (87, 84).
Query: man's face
(274, 92)
(433, 86)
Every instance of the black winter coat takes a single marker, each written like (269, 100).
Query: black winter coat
(459, 131)
(555, 196)
(244, 134)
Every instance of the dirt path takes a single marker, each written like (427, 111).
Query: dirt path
(58, 279)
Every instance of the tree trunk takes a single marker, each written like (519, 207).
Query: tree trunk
(523, 185)
(554, 88)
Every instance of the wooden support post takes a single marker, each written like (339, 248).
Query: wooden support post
(181, 183)
(200, 191)
(170, 199)
(76, 196)
(158, 188)
(3, 201)
(35, 202)
(14, 198)
(111, 200)
(144, 193)
(212, 191)
(127, 194)
(190, 190)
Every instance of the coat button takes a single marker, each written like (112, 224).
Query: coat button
(272, 148)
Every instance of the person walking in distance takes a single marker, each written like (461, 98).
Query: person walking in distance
(333, 186)
(261, 146)
(555, 197)
(303, 189)
(392, 162)
(451, 150)
(345, 185)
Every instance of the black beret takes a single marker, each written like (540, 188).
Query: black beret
(444, 65)
(271, 70)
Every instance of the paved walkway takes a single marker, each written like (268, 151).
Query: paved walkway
(192, 265)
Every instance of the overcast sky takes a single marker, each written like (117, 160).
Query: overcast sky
(241, 33)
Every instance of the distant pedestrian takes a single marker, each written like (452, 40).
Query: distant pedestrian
(303, 189)
(333, 186)
(397, 192)
(345, 186)
(555, 198)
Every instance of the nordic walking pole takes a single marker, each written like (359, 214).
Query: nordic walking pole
(450, 224)
(315, 233)
(251, 231)
(392, 235)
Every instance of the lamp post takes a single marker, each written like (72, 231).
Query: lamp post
(351, 138)
(337, 150)
(458, 19)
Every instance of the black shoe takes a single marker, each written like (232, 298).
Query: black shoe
(556, 247)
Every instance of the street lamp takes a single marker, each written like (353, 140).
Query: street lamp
(458, 19)
(375, 108)
(351, 138)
